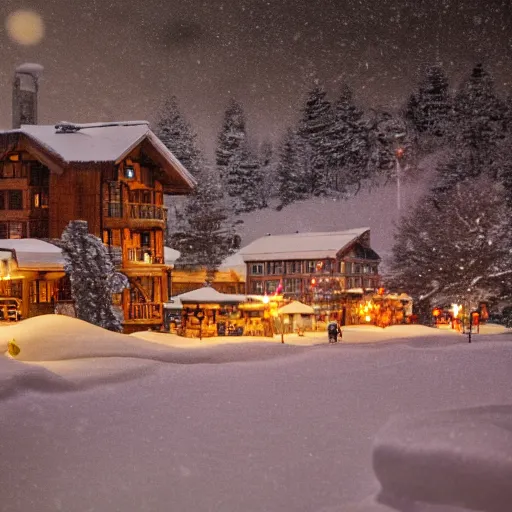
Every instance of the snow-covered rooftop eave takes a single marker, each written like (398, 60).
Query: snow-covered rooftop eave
(289, 255)
(173, 167)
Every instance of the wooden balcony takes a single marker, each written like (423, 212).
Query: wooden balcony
(134, 214)
(145, 211)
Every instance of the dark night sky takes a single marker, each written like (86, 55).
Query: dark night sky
(118, 59)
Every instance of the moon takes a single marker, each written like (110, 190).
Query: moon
(25, 27)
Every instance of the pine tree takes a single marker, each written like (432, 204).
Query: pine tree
(480, 117)
(289, 178)
(430, 109)
(204, 235)
(231, 140)
(388, 140)
(267, 174)
(347, 148)
(177, 135)
(456, 248)
(92, 276)
(313, 130)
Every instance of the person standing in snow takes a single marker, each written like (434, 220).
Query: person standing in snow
(333, 330)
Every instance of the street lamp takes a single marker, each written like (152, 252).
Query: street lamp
(399, 154)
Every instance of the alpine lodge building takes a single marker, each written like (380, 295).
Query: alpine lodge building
(334, 272)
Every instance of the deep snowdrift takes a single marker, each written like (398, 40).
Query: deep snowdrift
(281, 428)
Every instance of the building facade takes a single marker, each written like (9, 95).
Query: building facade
(112, 175)
(328, 271)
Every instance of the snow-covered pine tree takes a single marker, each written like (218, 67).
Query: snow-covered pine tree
(387, 134)
(290, 182)
(232, 138)
(456, 249)
(179, 137)
(313, 129)
(205, 236)
(92, 275)
(267, 173)
(430, 110)
(347, 146)
(480, 117)
(246, 181)
(237, 165)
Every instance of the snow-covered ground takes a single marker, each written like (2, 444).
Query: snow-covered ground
(96, 421)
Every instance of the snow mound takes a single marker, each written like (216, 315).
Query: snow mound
(459, 458)
(61, 338)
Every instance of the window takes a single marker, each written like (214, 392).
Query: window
(257, 269)
(40, 198)
(41, 292)
(145, 239)
(357, 268)
(292, 285)
(11, 200)
(271, 286)
(348, 267)
(310, 267)
(129, 172)
(257, 287)
(294, 267)
(115, 207)
(15, 199)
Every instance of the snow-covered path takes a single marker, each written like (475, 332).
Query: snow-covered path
(252, 427)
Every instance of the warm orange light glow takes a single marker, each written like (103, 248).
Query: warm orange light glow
(436, 312)
(313, 281)
(399, 152)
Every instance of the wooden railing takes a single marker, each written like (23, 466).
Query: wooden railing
(145, 211)
(135, 211)
(145, 311)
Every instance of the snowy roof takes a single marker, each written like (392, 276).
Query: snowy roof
(31, 253)
(300, 245)
(171, 255)
(100, 142)
(236, 263)
(105, 144)
(209, 295)
(296, 308)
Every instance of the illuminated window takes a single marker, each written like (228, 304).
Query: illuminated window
(129, 172)
(41, 292)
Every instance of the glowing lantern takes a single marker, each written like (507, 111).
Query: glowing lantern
(436, 312)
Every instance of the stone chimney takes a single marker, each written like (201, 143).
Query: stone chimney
(24, 94)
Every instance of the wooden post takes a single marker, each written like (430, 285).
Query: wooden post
(282, 328)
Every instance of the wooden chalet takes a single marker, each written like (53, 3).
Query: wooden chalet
(112, 175)
(330, 271)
